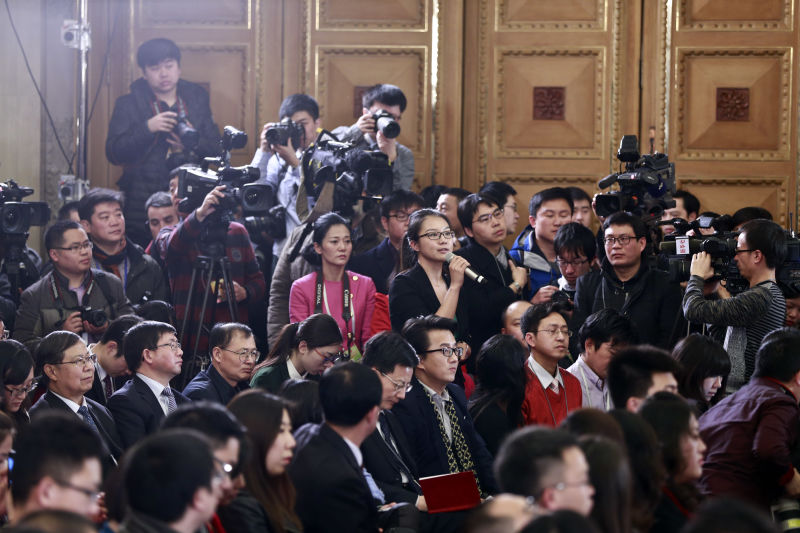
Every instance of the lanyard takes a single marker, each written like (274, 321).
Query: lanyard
(57, 291)
(549, 405)
(348, 312)
(178, 102)
(588, 396)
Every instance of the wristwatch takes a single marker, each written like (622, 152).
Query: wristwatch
(517, 287)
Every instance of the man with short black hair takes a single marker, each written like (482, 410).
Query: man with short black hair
(746, 214)
(547, 465)
(581, 207)
(111, 364)
(153, 353)
(506, 196)
(233, 357)
(161, 212)
(687, 207)
(447, 204)
(575, 249)
(637, 372)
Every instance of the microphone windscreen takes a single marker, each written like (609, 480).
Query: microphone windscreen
(449, 257)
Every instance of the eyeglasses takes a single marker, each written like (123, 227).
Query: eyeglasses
(333, 357)
(89, 493)
(245, 354)
(398, 386)
(21, 391)
(85, 360)
(447, 351)
(88, 245)
(173, 345)
(742, 250)
(574, 263)
(512, 207)
(564, 485)
(497, 213)
(401, 216)
(623, 240)
(229, 470)
(436, 235)
(553, 332)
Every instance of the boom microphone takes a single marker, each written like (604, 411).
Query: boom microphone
(471, 274)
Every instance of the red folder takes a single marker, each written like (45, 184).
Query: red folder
(450, 492)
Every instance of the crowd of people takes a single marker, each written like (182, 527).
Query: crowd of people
(317, 380)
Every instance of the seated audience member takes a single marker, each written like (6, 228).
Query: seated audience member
(575, 248)
(511, 318)
(506, 196)
(379, 262)
(54, 302)
(504, 513)
(752, 433)
(16, 375)
(610, 475)
(636, 373)
(447, 204)
(365, 135)
(171, 483)
(729, 515)
(304, 349)
(111, 365)
(7, 434)
(57, 465)
(746, 214)
(496, 404)
(69, 211)
(704, 370)
(54, 521)
(682, 451)
(431, 194)
(233, 356)
(326, 290)
(792, 297)
(589, 421)
(687, 207)
(549, 210)
(226, 436)
(581, 207)
(157, 310)
(153, 354)
(302, 401)
(66, 370)
(560, 522)
(101, 216)
(434, 412)
(483, 221)
(550, 391)
(548, 465)
(601, 336)
(626, 283)
(267, 502)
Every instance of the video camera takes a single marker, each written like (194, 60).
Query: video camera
(16, 216)
(645, 188)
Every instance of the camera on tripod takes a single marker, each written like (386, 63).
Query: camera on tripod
(280, 133)
(16, 216)
(386, 124)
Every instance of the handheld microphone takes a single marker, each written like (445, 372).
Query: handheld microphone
(471, 274)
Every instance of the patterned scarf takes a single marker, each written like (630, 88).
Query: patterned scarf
(111, 263)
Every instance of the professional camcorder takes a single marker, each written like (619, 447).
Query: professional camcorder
(16, 216)
(280, 133)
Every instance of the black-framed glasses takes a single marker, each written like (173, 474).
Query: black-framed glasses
(401, 216)
(21, 391)
(497, 213)
(94, 495)
(88, 245)
(742, 250)
(436, 235)
(623, 240)
(333, 357)
(573, 263)
(398, 386)
(555, 331)
(173, 345)
(245, 354)
(227, 469)
(84, 360)
(448, 351)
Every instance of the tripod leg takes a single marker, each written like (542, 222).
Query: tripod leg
(230, 295)
(210, 274)
(188, 309)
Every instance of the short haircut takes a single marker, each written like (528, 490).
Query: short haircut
(211, 419)
(415, 331)
(607, 325)
(55, 521)
(387, 349)
(158, 199)
(576, 193)
(400, 200)
(621, 218)
(51, 351)
(577, 239)
(95, 197)
(143, 335)
(498, 190)
(162, 473)
(777, 357)
(222, 333)
(385, 94)
(530, 319)
(298, 102)
(767, 236)
(630, 372)
(157, 310)
(690, 202)
(431, 194)
(746, 214)
(54, 444)
(117, 328)
(528, 456)
(348, 392)
(469, 206)
(458, 192)
(155, 51)
(66, 209)
(553, 193)
(54, 236)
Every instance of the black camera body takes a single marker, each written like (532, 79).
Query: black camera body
(386, 124)
(95, 317)
(16, 216)
(273, 223)
(280, 133)
(188, 135)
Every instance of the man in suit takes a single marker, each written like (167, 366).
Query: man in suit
(110, 367)
(233, 357)
(434, 412)
(67, 371)
(154, 354)
(334, 491)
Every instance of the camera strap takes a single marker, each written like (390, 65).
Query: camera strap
(348, 313)
(56, 290)
(158, 108)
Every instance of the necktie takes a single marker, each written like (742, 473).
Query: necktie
(384, 423)
(108, 386)
(554, 386)
(376, 492)
(171, 405)
(83, 411)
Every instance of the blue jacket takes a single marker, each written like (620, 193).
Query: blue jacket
(526, 252)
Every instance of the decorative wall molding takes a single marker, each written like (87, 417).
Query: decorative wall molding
(185, 14)
(504, 22)
(588, 182)
(720, 187)
(687, 22)
(548, 103)
(418, 19)
(241, 54)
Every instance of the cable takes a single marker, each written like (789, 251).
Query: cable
(39, 92)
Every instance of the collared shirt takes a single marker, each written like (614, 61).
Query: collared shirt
(157, 389)
(101, 372)
(72, 405)
(293, 373)
(356, 452)
(545, 377)
(595, 389)
(438, 401)
(80, 290)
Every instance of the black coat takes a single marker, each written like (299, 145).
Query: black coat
(381, 462)
(377, 263)
(209, 385)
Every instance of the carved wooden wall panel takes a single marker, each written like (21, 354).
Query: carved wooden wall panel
(729, 15)
(719, 194)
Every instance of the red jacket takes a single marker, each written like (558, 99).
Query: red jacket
(536, 410)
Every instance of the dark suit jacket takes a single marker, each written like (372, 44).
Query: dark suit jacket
(210, 386)
(376, 263)
(137, 411)
(381, 463)
(102, 419)
(418, 416)
(332, 494)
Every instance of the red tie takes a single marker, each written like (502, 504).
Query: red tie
(108, 386)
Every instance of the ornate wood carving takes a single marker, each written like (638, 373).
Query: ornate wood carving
(733, 104)
(383, 15)
(535, 15)
(721, 15)
(548, 103)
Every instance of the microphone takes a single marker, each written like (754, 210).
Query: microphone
(471, 274)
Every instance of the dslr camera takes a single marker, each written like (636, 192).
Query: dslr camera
(280, 133)
(95, 317)
(188, 135)
(386, 124)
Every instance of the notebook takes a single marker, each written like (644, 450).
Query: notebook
(450, 492)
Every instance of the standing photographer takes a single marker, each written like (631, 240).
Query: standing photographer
(152, 130)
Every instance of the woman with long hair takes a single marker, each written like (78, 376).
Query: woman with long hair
(267, 502)
(496, 404)
(610, 474)
(303, 349)
(346, 296)
(16, 376)
(705, 366)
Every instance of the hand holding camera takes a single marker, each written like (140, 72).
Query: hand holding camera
(210, 203)
(162, 122)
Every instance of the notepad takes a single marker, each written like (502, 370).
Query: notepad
(450, 492)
